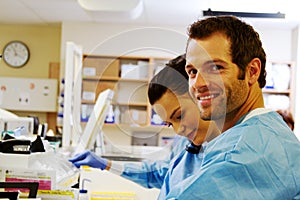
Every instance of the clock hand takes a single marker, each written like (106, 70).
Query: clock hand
(15, 51)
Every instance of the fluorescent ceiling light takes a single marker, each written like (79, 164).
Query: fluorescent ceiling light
(113, 8)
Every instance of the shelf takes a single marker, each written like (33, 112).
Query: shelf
(128, 77)
(144, 58)
(98, 78)
(274, 91)
(119, 104)
(279, 90)
(87, 102)
(143, 80)
(115, 79)
(131, 104)
(146, 128)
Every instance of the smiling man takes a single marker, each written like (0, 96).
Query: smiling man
(257, 156)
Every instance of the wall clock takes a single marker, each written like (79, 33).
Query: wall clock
(16, 54)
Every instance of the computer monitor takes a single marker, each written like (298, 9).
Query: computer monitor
(72, 95)
(95, 123)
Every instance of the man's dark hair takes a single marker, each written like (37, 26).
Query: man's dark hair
(245, 43)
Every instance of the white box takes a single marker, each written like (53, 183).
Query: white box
(19, 160)
(139, 71)
(46, 178)
(9, 124)
(62, 173)
(14, 160)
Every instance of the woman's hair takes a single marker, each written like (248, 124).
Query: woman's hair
(245, 43)
(173, 77)
(287, 117)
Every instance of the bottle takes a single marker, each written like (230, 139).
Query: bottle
(83, 193)
(110, 118)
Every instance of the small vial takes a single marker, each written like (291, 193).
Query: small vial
(110, 118)
(83, 195)
(117, 114)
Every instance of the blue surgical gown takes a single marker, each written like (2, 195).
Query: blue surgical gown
(152, 174)
(256, 159)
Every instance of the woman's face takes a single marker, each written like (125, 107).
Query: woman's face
(183, 115)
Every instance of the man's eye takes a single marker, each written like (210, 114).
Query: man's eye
(168, 124)
(179, 116)
(216, 68)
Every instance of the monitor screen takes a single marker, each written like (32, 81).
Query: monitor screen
(95, 123)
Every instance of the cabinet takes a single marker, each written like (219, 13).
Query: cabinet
(128, 76)
(280, 88)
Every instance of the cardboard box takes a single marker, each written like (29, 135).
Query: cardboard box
(91, 89)
(132, 92)
(102, 67)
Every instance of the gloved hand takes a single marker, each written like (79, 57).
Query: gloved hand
(90, 159)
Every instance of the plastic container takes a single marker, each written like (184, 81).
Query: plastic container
(83, 195)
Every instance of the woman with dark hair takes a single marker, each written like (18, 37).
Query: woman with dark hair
(168, 93)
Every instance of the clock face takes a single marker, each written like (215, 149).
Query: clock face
(16, 54)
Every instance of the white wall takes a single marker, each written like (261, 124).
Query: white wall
(277, 44)
(120, 39)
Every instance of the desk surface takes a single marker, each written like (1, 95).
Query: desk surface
(105, 181)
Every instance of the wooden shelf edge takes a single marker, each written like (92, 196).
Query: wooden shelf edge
(274, 91)
(117, 103)
(145, 127)
(103, 78)
(120, 79)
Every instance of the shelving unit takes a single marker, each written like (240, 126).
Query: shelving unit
(128, 76)
(102, 72)
(280, 88)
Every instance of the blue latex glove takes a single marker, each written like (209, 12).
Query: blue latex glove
(89, 158)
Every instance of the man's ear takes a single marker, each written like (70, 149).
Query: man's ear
(253, 71)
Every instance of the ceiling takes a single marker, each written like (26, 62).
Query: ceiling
(146, 12)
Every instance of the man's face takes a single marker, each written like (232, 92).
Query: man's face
(213, 78)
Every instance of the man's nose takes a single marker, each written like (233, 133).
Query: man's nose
(199, 82)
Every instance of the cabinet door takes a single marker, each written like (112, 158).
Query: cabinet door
(101, 67)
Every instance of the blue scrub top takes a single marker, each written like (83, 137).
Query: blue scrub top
(256, 159)
(152, 174)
